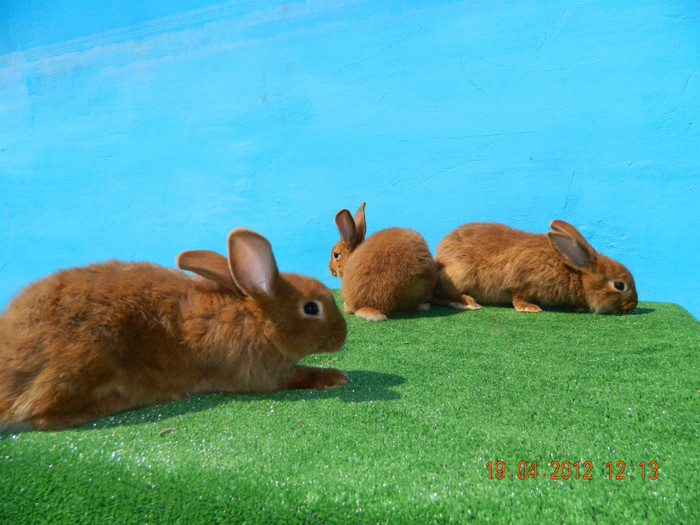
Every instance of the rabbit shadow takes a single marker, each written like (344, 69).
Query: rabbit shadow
(508, 309)
(641, 311)
(363, 386)
(636, 311)
(433, 312)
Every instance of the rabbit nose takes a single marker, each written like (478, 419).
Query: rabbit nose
(337, 340)
(629, 306)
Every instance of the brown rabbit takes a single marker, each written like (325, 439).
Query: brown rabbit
(97, 340)
(493, 263)
(390, 273)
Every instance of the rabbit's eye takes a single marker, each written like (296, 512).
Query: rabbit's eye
(619, 286)
(311, 308)
(336, 255)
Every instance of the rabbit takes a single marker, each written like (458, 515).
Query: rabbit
(101, 339)
(391, 272)
(492, 263)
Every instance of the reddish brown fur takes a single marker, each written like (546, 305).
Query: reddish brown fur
(495, 264)
(339, 254)
(390, 273)
(97, 340)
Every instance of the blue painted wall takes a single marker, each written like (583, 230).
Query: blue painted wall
(137, 130)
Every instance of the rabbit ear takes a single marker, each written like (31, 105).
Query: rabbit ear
(208, 264)
(346, 227)
(568, 229)
(360, 225)
(251, 263)
(574, 253)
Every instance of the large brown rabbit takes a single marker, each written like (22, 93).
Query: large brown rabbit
(97, 340)
(391, 272)
(492, 263)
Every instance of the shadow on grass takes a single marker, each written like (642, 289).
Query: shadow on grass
(364, 386)
(508, 308)
(640, 311)
(445, 311)
(435, 311)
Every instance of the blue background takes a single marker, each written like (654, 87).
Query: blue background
(136, 130)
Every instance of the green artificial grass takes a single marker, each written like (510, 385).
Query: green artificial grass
(432, 398)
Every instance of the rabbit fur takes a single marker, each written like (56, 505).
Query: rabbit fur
(96, 340)
(492, 263)
(391, 272)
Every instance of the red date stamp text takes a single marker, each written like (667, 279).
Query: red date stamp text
(562, 470)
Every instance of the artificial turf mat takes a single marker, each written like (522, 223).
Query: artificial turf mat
(432, 398)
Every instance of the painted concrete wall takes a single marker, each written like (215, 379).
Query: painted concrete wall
(138, 130)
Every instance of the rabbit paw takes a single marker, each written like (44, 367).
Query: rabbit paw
(521, 305)
(370, 314)
(305, 377)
